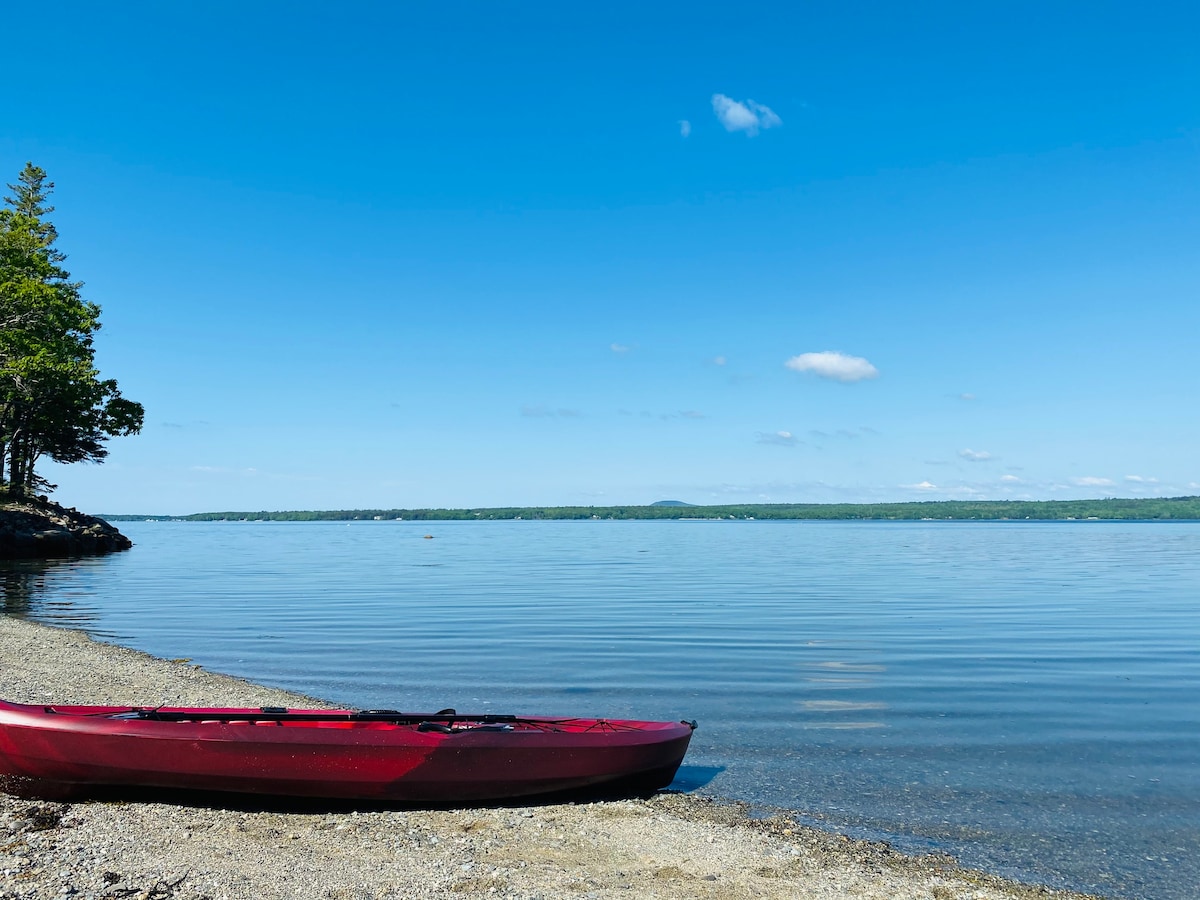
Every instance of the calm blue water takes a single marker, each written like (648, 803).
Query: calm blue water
(1023, 695)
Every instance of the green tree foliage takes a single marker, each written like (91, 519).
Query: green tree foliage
(53, 402)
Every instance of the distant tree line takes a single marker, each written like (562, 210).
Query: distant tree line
(1173, 508)
(53, 402)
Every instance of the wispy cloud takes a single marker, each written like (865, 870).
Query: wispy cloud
(1010, 479)
(619, 348)
(685, 127)
(749, 116)
(664, 416)
(967, 397)
(1138, 479)
(834, 365)
(1092, 481)
(779, 438)
(921, 486)
(719, 361)
(974, 455)
(847, 433)
(544, 412)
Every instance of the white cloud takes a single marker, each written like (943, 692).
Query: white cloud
(718, 360)
(748, 117)
(685, 127)
(1138, 479)
(781, 438)
(1091, 481)
(619, 348)
(766, 116)
(966, 396)
(922, 486)
(831, 364)
(975, 455)
(1010, 479)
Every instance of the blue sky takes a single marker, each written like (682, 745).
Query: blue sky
(399, 255)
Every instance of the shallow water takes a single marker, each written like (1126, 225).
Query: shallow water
(1023, 695)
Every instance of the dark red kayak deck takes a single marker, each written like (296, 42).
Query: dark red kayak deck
(380, 755)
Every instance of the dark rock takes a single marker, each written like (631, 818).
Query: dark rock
(37, 529)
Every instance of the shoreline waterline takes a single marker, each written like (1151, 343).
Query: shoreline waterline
(670, 846)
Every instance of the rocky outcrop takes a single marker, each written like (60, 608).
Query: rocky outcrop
(44, 530)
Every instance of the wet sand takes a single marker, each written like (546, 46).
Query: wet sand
(670, 846)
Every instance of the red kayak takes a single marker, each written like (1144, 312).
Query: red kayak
(380, 755)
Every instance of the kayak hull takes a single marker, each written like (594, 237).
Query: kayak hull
(340, 754)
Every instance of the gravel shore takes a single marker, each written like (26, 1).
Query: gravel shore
(671, 846)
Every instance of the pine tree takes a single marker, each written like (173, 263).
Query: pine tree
(53, 402)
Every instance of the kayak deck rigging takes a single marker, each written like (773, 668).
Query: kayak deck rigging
(448, 719)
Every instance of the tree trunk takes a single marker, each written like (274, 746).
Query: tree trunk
(16, 466)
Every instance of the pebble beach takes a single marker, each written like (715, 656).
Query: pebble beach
(668, 846)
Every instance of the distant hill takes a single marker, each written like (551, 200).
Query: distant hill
(671, 503)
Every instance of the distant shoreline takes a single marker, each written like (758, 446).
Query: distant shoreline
(1111, 509)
